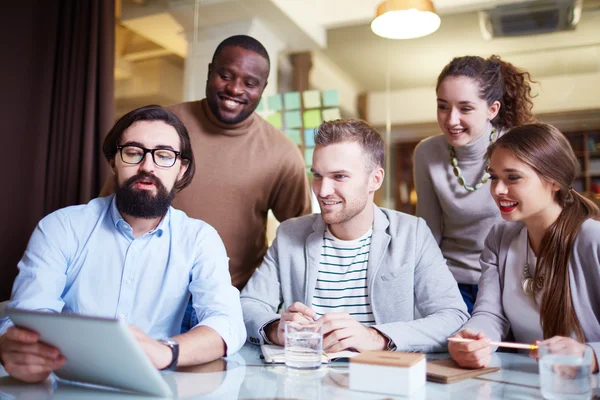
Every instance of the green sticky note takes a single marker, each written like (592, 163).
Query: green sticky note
(274, 102)
(308, 156)
(295, 135)
(275, 119)
(311, 98)
(309, 137)
(293, 119)
(312, 118)
(291, 100)
(261, 105)
(331, 98)
(330, 114)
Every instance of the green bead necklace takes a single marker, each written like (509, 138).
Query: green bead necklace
(457, 171)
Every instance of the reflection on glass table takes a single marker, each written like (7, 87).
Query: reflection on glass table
(244, 376)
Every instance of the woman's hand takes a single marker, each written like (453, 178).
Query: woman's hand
(475, 354)
(559, 344)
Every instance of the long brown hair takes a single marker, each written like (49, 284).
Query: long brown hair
(499, 81)
(545, 149)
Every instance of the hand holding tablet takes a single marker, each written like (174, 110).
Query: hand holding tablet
(99, 351)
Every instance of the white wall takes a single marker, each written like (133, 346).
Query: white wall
(325, 75)
(556, 94)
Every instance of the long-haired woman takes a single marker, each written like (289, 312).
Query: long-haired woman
(541, 267)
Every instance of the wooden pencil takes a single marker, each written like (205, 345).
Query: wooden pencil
(523, 346)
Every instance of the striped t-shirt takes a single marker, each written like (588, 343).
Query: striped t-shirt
(342, 278)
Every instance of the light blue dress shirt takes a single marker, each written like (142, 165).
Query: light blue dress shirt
(85, 260)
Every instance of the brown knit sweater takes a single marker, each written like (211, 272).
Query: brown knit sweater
(242, 171)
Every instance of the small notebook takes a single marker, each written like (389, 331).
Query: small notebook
(448, 371)
(276, 354)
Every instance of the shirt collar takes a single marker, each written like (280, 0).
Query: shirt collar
(121, 224)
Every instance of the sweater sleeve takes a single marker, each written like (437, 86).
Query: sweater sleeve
(428, 204)
(488, 313)
(291, 196)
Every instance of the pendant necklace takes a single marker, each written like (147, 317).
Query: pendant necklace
(528, 281)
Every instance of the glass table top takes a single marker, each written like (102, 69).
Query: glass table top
(245, 376)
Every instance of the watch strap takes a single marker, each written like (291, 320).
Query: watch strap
(174, 346)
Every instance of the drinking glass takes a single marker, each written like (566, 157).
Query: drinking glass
(303, 345)
(565, 374)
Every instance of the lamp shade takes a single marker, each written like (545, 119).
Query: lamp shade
(405, 19)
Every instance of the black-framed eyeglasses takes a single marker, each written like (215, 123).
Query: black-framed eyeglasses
(134, 155)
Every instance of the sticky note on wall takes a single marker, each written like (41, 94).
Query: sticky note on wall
(330, 114)
(308, 156)
(261, 105)
(295, 135)
(312, 118)
(275, 120)
(291, 101)
(311, 98)
(309, 137)
(293, 119)
(331, 98)
(274, 102)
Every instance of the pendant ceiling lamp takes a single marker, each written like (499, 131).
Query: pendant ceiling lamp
(405, 19)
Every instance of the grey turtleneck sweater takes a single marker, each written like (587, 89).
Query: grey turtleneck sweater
(460, 220)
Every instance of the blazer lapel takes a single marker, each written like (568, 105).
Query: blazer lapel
(312, 255)
(379, 243)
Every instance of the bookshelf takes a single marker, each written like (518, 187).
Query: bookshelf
(586, 146)
(404, 185)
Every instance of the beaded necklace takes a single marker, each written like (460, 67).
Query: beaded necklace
(457, 171)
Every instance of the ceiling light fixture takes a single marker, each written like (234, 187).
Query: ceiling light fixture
(405, 19)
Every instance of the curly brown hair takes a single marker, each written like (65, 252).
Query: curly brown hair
(499, 81)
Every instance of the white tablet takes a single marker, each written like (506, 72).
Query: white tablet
(99, 351)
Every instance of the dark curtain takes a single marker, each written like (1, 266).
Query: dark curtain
(57, 105)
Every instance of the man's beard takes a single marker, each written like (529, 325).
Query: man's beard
(141, 203)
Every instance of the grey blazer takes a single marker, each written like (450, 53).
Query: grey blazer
(405, 269)
(584, 278)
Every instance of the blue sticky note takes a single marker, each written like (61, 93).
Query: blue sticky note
(293, 119)
(308, 156)
(331, 98)
(274, 102)
(295, 135)
(309, 137)
(291, 100)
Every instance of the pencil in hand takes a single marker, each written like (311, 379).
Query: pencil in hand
(523, 346)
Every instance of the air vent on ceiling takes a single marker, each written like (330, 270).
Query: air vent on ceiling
(530, 18)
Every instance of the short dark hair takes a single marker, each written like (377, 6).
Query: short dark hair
(153, 113)
(245, 42)
(353, 130)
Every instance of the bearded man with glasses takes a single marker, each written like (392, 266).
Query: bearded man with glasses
(130, 256)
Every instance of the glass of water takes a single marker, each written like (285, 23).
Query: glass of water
(303, 345)
(565, 374)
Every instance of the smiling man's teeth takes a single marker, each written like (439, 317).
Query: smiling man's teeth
(231, 103)
(508, 203)
(331, 203)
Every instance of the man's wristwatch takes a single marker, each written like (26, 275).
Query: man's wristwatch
(174, 346)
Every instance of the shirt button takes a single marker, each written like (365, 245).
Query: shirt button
(128, 281)
(121, 316)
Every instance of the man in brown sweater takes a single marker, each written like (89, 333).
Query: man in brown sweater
(244, 166)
